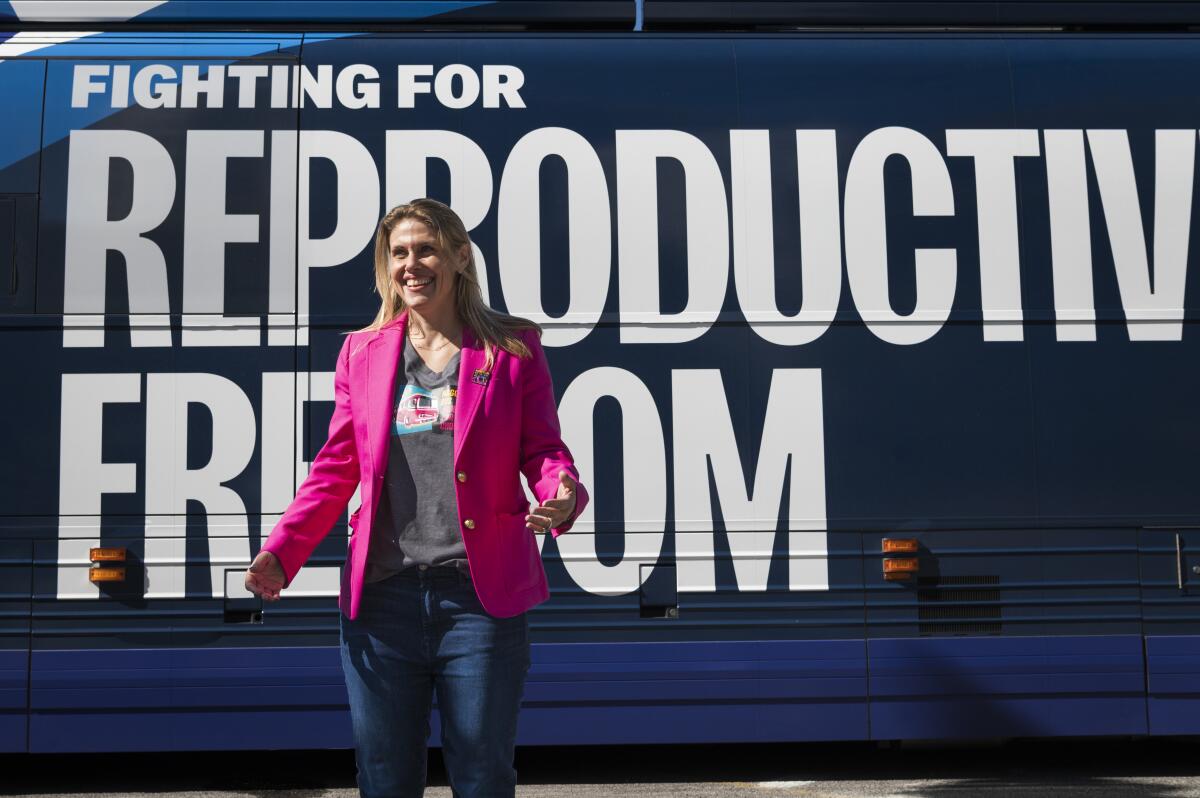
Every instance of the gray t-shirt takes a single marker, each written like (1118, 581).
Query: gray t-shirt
(417, 519)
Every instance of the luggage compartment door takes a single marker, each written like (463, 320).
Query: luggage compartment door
(1170, 575)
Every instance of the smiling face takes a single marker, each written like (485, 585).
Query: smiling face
(423, 272)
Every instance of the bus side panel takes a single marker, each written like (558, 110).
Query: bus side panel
(1173, 670)
(20, 163)
(966, 445)
(15, 558)
(761, 690)
(184, 699)
(1114, 402)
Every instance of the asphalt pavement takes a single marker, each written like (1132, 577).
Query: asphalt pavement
(1031, 769)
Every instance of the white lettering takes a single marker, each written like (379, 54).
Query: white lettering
(995, 152)
(316, 91)
(408, 86)
(82, 85)
(279, 87)
(151, 89)
(83, 476)
(281, 291)
(247, 76)
(212, 86)
(589, 233)
(1070, 236)
(502, 81)
(707, 224)
(468, 81)
(358, 87)
(792, 438)
(170, 484)
(644, 474)
(753, 235)
(1153, 301)
(866, 236)
(408, 153)
(90, 234)
(356, 200)
(120, 86)
(207, 230)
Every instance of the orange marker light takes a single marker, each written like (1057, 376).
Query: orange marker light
(112, 554)
(895, 568)
(900, 545)
(106, 574)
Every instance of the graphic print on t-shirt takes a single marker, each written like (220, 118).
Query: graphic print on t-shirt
(423, 410)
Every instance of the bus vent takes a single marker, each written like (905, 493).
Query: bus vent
(947, 605)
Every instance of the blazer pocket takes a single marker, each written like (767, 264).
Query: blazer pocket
(510, 522)
(524, 562)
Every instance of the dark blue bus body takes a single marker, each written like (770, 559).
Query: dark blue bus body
(802, 291)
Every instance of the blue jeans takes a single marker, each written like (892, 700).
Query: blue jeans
(418, 632)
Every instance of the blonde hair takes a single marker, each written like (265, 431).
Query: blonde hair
(495, 329)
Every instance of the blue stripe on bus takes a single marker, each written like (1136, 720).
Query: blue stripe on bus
(187, 699)
(696, 692)
(1006, 686)
(14, 664)
(14, 676)
(183, 699)
(1173, 683)
(628, 693)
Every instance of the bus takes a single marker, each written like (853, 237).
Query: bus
(870, 327)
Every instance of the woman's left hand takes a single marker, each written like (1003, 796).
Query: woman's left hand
(556, 511)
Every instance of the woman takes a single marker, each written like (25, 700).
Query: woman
(440, 404)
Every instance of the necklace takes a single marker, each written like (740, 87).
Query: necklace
(427, 348)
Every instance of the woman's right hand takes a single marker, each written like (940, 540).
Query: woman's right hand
(265, 576)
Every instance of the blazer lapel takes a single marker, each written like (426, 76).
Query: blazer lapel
(383, 359)
(472, 383)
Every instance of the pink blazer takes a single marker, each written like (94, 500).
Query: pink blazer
(506, 424)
